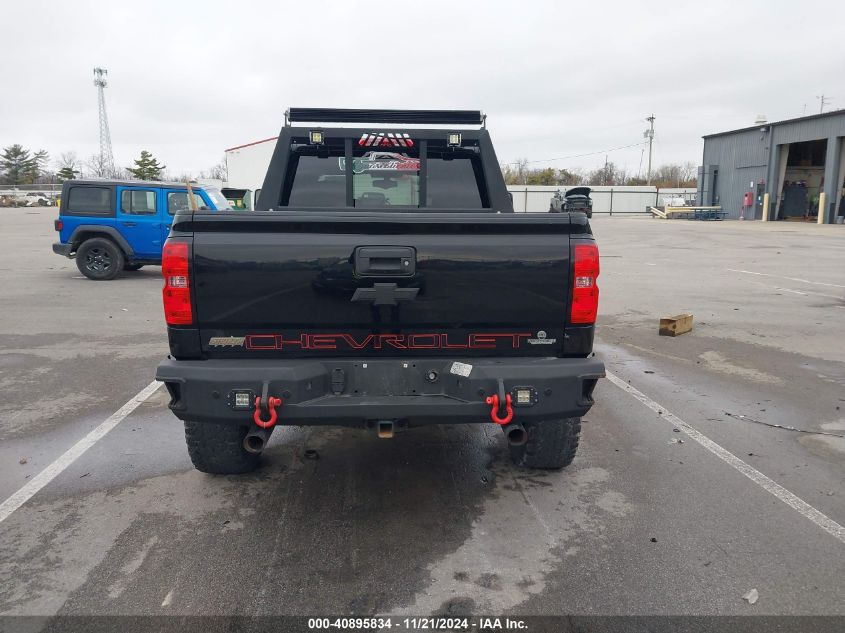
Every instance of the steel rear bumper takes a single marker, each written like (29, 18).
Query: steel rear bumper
(62, 249)
(354, 391)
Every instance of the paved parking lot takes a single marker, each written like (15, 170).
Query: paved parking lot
(646, 521)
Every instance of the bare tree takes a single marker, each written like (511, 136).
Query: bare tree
(569, 177)
(607, 175)
(97, 167)
(521, 168)
(220, 171)
(668, 175)
(508, 174)
(69, 160)
(689, 171)
(68, 166)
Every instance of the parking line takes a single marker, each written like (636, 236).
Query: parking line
(796, 503)
(73, 453)
(803, 281)
(805, 293)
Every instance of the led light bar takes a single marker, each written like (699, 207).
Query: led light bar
(349, 115)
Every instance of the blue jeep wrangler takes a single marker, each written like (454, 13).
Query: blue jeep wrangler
(110, 226)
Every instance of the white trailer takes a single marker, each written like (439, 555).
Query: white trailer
(246, 165)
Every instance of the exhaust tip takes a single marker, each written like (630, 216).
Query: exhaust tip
(385, 429)
(516, 434)
(254, 443)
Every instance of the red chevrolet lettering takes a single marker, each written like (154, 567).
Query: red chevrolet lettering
(302, 341)
(419, 340)
(260, 341)
(423, 341)
(354, 344)
(322, 341)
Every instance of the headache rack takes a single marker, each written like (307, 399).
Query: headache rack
(318, 132)
(351, 115)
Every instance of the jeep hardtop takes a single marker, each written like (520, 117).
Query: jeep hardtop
(111, 226)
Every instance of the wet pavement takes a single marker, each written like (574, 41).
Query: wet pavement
(437, 520)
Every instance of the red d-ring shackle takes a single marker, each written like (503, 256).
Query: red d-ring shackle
(272, 403)
(494, 411)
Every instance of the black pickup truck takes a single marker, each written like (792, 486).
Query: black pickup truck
(575, 199)
(383, 282)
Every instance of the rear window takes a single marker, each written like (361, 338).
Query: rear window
(220, 201)
(454, 183)
(318, 182)
(383, 179)
(178, 201)
(89, 201)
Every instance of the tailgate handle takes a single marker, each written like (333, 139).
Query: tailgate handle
(385, 261)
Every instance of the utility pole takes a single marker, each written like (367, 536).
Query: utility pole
(823, 101)
(649, 134)
(106, 157)
(605, 169)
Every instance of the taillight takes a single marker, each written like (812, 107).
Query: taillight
(177, 284)
(58, 224)
(585, 292)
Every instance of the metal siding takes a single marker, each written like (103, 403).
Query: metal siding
(741, 159)
(744, 156)
(809, 130)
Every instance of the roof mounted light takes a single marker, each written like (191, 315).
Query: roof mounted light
(315, 137)
(454, 139)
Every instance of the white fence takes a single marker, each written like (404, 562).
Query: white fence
(606, 199)
(13, 190)
(530, 198)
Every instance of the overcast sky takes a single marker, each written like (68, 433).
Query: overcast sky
(556, 79)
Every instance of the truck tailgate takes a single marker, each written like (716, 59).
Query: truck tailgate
(316, 284)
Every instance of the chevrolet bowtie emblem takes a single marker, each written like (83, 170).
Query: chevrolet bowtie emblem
(385, 294)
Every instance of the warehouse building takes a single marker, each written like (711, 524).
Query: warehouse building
(797, 165)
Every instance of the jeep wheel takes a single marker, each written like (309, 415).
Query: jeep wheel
(132, 267)
(551, 444)
(219, 448)
(99, 259)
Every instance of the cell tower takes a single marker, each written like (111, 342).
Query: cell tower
(106, 156)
